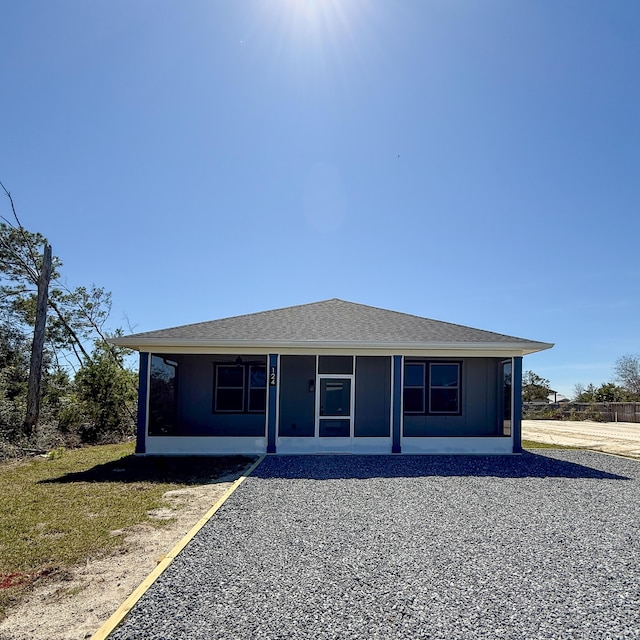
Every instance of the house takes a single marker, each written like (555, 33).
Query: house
(331, 376)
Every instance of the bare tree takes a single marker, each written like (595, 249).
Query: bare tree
(627, 373)
(40, 271)
(31, 286)
(76, 315)
(37, 348)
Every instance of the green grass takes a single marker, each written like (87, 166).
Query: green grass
(531, 444)
(60, 511)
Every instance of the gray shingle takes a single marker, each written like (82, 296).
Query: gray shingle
(331, 321)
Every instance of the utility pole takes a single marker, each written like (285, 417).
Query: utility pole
(35, 369)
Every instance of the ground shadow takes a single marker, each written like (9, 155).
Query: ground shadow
(327, 467)
(160, 469)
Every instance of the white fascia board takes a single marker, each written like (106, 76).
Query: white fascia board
(458, 349)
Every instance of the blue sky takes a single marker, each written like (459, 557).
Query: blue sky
(471, 161)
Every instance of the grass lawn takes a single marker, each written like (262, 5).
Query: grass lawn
(531, 444)
(59, 511)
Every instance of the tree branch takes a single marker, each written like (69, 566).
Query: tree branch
(20, 227)
(68, 327)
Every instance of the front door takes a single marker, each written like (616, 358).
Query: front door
(334, 419)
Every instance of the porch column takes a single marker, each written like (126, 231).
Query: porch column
(396, 394)
(273, 403)
(143, 395)
(516, 405)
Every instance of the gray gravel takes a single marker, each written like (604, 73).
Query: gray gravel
(543, 545)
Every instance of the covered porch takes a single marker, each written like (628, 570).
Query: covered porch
(328, 402)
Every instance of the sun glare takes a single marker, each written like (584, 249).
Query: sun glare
(310, 10)
(315, 38)
(318, 18)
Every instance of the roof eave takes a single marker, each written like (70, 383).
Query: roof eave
(148, 344)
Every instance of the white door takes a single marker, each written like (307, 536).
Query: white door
(334, 413)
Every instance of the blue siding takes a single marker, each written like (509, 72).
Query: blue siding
(273, 399)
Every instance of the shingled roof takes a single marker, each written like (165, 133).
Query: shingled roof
(330, 323)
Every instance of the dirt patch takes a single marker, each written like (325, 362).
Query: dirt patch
(622, 438)
(73, 605)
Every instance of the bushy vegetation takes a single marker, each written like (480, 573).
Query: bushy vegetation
(535, 388)
(96, 404)
(596, 403)
(566, 411)
(84, 390)
(606, 392)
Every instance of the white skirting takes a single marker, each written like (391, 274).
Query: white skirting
(221, 445)
(204, 446)
(374, 446)
(462, 445)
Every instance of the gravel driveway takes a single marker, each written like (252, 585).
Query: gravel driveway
(543, 545)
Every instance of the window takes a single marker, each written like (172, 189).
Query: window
(257, 388)
(444, 387)
(432, 388)
(229, 393)
(240, 388)
(414, 387)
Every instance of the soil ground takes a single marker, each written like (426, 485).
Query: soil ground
(621, 438)
(74, 605)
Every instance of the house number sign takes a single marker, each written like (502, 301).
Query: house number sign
(272, 377)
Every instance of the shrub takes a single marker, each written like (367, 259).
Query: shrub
(106, 394)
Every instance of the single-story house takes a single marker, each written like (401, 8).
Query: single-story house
(331, 376)
(556, 398)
